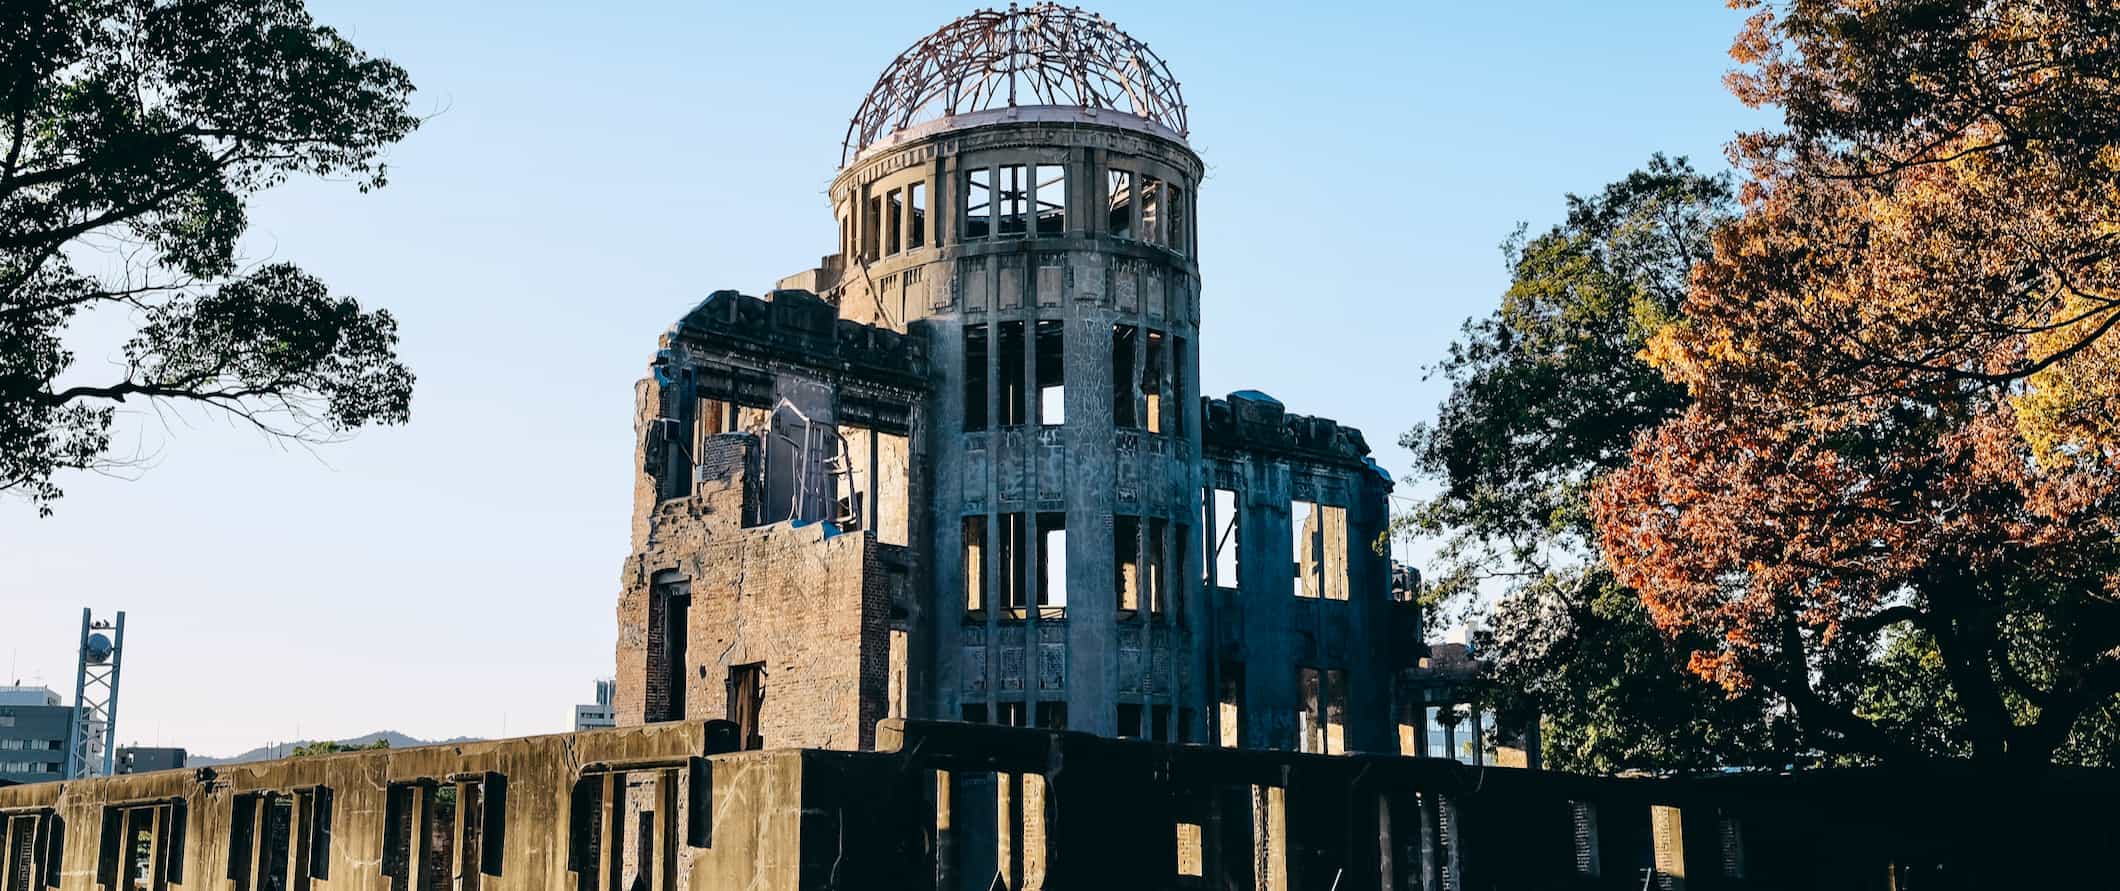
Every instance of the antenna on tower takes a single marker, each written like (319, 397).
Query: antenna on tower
(95, 725)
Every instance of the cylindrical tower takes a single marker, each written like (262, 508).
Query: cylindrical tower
(1018, 186)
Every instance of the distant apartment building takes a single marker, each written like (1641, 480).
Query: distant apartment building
(146, 759)
(33, 734)
(589, 716)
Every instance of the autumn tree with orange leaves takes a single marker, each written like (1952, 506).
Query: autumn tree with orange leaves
(1902, 358)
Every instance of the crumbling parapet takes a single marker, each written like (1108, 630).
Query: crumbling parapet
(770, 522)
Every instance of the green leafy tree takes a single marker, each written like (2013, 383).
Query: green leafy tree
(1547, 395)
(327, 747)
(132, 134)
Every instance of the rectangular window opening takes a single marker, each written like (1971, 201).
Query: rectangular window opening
(1230, 706)
(437, 863)
(1730, 833)
(669, 603)
(1129, 720)
(978, 203)
(975, 594)
(1125, 414)
(1155, 383)
(713, 418)
(893, 221)
(747, 702)
(278, 838)
(1175, 386)
(1180, 545)
(585, 808)
(36, 847)
(1052, 563)
(1190, 862)
(1014, 541)
(1303, 521)
(1174, 199)
(1157, 596)
(1310, 725)
(1015, 197)
(1582, 817)
(972, 713)
(898, 668)
(1014, 401)
(916, 215)
(1052, 384)
(1412, 721)
(975, 346)
(1332, 551)
(1119, 193)
(1159, 723)
(1335, 711)
(1223, 546)
(1152, 210)
(312, 858)
(1052, 715)
(1011, 714)
(1126, 564)
(143, 870)
(872, 226)
(1051, 199)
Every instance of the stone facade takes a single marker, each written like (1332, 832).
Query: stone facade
(742, 572)
(994, 384)
(991, 389)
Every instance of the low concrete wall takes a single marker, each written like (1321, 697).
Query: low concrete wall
(960, 806)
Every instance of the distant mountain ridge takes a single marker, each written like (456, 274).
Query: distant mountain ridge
(282, 750)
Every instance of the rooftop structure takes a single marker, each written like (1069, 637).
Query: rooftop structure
(21, 695)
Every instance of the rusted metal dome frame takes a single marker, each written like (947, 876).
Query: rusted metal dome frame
(1045, 54)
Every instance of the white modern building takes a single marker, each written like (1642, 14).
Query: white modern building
(597, 714)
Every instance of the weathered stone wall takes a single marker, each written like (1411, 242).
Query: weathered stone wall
(1265, 624)
(811, 607)
(956, 806)
(1080, 278)
(736, 518)
(539, 776)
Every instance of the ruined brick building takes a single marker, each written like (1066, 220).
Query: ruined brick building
(963, 468)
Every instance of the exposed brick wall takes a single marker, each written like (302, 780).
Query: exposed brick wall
(814, 610)
(655, 691)
(878, 563)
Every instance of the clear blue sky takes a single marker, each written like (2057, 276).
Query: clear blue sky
(591, 170)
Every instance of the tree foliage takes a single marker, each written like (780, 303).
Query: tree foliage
(134, 132)
(1548, 392)
(328, 747)
(1576, 651)
(1547, 396)
(1895, 500)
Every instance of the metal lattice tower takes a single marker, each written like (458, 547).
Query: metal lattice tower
(92, 743)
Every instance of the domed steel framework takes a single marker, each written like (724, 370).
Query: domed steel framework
(1046, 54)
